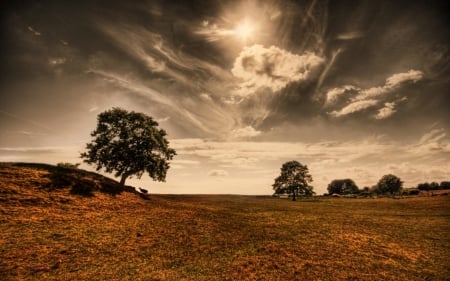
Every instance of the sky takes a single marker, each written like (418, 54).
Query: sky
(352, 89)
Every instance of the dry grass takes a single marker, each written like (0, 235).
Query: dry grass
(50, 234)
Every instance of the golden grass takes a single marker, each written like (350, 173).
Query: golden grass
(50, 234)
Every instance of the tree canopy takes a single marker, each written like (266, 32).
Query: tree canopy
(343, 186)
(389, 184)
(294, 179)
(129, 143)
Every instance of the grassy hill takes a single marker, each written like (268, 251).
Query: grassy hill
(69, 224)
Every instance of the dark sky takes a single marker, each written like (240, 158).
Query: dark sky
(353, 89)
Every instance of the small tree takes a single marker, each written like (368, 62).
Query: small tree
(294, 179)
(345, 186)
(389, 184)
(129, 143)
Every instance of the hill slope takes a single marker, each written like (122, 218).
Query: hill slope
(53, 231)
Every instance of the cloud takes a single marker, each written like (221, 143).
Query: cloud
(205, 96)
(333, 94)
(399, 78)
(34, 31)
(364, 160)
(56, 61)
(273, 68)
(246, 132)
(367, 98)
(433, 136)
(218, 173)
(350, 35)
(354, 107)
(392, 83)
(386, 111)
(212, 32)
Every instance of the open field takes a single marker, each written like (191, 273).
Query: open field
(50, 234)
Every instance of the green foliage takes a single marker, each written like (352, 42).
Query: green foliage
(129, 143)
(344, 186)
(389, 184)
(294, 179)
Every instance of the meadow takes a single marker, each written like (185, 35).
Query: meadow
(51, 233)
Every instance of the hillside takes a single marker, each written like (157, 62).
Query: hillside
(68, 224)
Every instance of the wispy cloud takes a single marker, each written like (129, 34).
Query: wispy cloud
(350, 35)
(218, 173)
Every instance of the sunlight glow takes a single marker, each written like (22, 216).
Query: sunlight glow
(245, 30)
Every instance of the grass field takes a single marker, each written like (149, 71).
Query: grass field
(47, 233)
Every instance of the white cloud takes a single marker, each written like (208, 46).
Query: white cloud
(372, 92)
(335, 93)
(272, 67)
(218, 173)
(370, 97)
(354, 107)
(399, 78)
(386, 111)
(205, 96)
(246, 132)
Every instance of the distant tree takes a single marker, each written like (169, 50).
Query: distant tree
(389, 184)
(444, 185)
(344, 186)
(434, 186)
(424, 186)
(129, 143)
(294, 179)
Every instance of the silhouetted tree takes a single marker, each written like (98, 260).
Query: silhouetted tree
(344, 186)
(129, 143)
(424, 186)
(444, 185)
(294, 179)
(434, 185)
(389, 184)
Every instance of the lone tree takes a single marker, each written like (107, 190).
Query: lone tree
(294, 179)
(389, 184)
(345, 186)
(129, 143)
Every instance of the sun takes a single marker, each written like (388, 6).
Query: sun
(245, 30)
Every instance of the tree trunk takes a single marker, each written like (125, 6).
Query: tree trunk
(123, 179)
(293, 196)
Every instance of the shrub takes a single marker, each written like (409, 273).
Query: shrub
(68, 165)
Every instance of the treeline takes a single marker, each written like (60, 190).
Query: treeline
(434, 185)
(387, 185)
